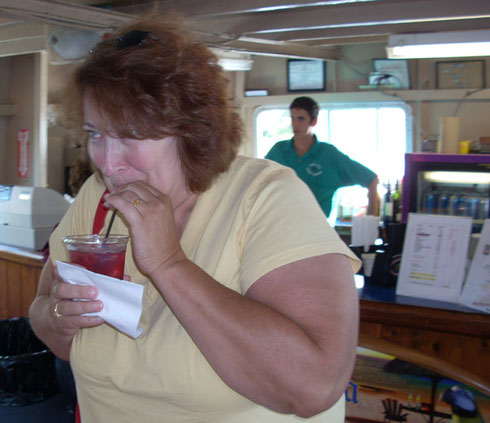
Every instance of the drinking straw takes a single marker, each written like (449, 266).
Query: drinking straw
(110, 223)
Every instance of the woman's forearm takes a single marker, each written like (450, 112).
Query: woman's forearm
(40, 320)
(258, 351)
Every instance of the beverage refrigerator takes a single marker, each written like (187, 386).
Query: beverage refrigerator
(447, 184)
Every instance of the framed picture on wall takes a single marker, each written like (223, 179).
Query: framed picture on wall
(306, 75)
(460, 74)
(394, 71)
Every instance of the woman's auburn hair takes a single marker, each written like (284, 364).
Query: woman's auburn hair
(170, 85)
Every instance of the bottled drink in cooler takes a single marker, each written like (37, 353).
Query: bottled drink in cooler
(388, 205)
(431, 201)
(443, 206)
(397, 203)
(453, 205)
(462, 206)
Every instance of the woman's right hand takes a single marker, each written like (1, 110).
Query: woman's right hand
(56, 329)
(67, 304)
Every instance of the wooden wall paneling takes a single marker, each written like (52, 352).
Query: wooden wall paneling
(19, 277)
(14, 289)
(468, 352)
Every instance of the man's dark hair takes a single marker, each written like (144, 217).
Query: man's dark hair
(307, 104)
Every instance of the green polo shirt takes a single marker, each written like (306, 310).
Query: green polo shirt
(323, 168)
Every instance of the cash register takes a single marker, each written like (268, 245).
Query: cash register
(28, 215)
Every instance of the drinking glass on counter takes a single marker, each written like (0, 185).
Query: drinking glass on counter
(99, 254)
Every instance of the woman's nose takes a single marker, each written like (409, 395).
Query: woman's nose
(113, 157)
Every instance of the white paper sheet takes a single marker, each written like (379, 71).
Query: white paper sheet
(476, 290)
(365, 230)
(434, 257)
(122, 299)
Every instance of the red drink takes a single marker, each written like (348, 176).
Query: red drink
(98, 254)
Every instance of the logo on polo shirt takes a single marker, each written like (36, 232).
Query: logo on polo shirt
(314, 169)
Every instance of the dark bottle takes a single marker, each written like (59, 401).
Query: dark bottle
(397, 203)
(388, 205)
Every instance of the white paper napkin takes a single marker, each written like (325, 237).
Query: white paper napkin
(122, 299)
(364, 231)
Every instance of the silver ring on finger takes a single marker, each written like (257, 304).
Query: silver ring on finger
(56, 313)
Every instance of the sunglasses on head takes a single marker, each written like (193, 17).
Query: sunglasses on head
(133, 38)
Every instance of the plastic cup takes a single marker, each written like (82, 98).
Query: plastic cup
(98, 254)
(368, 263)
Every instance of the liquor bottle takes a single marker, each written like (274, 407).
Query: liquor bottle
(397, 203)
(388, 205)
(410, 400)
(418, 402)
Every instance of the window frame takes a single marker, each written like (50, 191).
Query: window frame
(342, 106)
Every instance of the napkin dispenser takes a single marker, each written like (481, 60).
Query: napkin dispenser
(28, 215)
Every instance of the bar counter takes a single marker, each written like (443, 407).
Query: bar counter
(454, 334)
(19, 274)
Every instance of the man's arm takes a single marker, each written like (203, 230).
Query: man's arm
(373, 197)
(271, 153)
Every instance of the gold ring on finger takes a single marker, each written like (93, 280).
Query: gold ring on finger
(56, 313)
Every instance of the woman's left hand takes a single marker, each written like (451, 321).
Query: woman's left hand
(150, 216)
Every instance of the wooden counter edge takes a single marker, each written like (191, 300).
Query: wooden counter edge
(474, 324)
(34, 259)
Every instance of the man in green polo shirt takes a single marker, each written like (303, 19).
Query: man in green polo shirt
(320, 165)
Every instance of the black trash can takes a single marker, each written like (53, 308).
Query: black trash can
(27, 367)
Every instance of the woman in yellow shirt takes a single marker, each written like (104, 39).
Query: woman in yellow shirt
(250, 312)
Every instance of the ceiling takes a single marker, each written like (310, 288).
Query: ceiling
(292, 28)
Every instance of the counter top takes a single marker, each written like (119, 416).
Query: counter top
(451, 334)
(380, 304)
(21, 251)
(19, 275)
(388, 294)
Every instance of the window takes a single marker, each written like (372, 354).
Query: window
(375, 134)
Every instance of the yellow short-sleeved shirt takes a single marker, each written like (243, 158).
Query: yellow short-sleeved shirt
(256, 217)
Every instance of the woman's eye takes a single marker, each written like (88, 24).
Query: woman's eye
(93, 134)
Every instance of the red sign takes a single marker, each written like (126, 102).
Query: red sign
(23, 153)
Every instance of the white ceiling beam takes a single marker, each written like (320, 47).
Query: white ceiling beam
(63, 13)
(265, 47)
(376, 30)
(227, 7)
(328, 42)
(86, 17)
(22, 39)
(360, 14)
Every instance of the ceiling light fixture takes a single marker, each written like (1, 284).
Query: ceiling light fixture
(235, 64)
(439, 44)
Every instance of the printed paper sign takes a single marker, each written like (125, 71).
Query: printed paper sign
(476, 290)
(434, 257)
